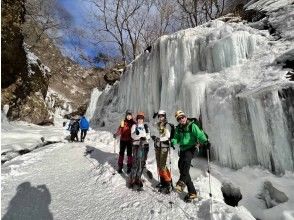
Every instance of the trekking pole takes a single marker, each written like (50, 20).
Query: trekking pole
(210, 194)
(114, 151)
(114, 146)
(170, 171)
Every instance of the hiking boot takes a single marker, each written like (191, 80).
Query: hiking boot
(165, 189)
(180, 186)
(159, 185)
(190, 196)
(129, 170)
(119, 170)
(139, 183)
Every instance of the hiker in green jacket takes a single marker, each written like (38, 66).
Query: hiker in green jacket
(187, 136)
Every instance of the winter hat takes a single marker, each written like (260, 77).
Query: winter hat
(161, 112)
(140, 115)
(129, 112)
(179, 113)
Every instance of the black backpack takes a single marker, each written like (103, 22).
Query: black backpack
(173, 130)
(146, 128)
(75, 127)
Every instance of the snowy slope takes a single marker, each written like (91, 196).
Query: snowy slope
(63, 181)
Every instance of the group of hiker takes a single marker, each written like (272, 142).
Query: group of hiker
(135, 136)
(76, 124)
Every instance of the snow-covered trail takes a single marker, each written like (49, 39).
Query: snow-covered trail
(63, 181)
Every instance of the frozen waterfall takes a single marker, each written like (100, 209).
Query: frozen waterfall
(93, 102)
(223, 72)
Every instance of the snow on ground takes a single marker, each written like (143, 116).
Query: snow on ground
(63, 181)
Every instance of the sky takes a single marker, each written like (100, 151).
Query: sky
(80, 10)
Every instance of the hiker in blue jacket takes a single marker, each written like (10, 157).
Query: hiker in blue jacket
(84, 126)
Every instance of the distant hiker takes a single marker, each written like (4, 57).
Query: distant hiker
(162, 149)
(84, 125)
(187, 136)
(140, 134)
(74, 129)
(124, 130)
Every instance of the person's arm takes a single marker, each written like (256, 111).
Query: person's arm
(176, 137)
(118, 131)
(199, 134)
(147, 130)
(134, 133)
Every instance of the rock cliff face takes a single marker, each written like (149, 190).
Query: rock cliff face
(25, 79)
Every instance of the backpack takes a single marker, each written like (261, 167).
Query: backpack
(198, 123)
(146, 128)
(75, 127)
(172, 131)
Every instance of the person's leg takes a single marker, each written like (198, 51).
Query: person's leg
(188, 155)
(122, 147)
(129, 155)
(164, 172)
(85, 134)
(135, 165)
(145, 152)
(82, 132)
(72, 136)
(180, 185)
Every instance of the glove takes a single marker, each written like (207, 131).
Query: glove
(137, 131)
(153, 137)
(114, 135)
(154, 115)
(142, 138)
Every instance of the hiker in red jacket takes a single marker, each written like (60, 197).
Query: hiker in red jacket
(124, 130)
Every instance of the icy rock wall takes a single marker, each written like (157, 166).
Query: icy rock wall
(216, 70)
(93, 102)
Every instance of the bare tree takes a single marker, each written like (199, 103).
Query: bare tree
(196, 12)
(160, 22)
(45, 17)
(121, 22)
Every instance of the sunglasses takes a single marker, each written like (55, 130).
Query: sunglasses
(180, 118)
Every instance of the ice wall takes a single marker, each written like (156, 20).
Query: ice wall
(93, 103)
(224, 72)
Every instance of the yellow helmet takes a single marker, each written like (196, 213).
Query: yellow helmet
(179, 113)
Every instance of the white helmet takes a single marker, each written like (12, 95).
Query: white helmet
(162, 112)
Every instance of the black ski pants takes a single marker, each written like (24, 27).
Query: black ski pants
(184, 164)
(122, 147)
(73, 136)
(83, 134)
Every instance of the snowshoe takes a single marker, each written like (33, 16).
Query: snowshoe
(165, 189)
(159, 185)
(190, 197)
(180, 186)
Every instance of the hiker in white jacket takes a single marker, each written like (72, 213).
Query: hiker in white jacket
(140, 135)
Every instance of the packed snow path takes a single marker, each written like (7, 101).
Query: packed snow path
(76, 181)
